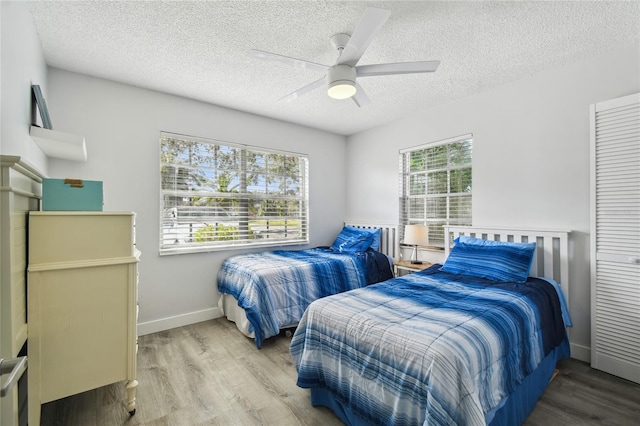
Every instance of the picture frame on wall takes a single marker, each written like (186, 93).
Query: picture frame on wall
(41, 105)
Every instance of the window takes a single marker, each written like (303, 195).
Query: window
(216, 195)
(435, 185)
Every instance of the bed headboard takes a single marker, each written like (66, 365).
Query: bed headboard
(551, 258)
(389, 237)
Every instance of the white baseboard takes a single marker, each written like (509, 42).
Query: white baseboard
(583, 353)
(178, 321)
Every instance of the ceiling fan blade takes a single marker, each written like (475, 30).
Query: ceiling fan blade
(298, 63)
(304, 90)
(371, 22)
(399, 68)
(360, 98)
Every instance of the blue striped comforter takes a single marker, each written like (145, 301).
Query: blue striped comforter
(275, 288)
(427, 347)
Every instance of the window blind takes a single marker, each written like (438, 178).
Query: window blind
(217, 195)
(436, 185)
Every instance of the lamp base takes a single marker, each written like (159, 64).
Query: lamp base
(414, 256)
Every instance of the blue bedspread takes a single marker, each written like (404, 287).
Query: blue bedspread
(275, 288)
(427, 348)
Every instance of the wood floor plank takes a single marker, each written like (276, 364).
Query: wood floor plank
(210, 374)
(581, 395)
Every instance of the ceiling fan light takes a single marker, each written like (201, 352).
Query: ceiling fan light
(341, 89)
(341, 81)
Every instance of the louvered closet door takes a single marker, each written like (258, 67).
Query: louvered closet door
(615, 237)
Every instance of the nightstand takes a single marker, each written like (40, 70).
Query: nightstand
(408, 267)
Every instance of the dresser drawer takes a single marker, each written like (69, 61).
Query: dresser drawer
(78, 236)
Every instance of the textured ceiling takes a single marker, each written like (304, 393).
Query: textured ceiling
(199, 49)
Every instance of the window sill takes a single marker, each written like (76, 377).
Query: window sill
(169, 250)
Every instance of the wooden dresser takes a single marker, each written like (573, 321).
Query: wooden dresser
(82, 304)
(20, 192)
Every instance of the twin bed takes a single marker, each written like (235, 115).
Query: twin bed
(473, 341)
(266, 292)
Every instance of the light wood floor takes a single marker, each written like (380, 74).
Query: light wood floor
(210, 374)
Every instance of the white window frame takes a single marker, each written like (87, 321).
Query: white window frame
(408, 194)
(268, 206)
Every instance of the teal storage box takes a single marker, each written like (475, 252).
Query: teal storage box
(71, 195)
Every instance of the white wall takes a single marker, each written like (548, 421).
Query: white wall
(22, 65)
(530, 158)
(122, 124)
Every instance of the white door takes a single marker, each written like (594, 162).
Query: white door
(615, 237)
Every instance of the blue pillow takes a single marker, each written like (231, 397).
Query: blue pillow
(377, 232)
(352, 240)
(495, 260)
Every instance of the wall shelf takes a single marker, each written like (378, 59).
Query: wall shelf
(57, 144)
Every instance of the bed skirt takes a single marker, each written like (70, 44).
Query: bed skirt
(229, 307)
(514, 410)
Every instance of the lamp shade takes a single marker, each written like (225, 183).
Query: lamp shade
(341, 81)
(416, 235)
(341, 89)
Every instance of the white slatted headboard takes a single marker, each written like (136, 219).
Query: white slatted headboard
(389, 237)
(551, 258)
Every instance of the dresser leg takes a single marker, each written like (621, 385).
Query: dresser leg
(33, 412)
(132, 387)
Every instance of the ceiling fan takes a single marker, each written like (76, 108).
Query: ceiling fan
(341, 78)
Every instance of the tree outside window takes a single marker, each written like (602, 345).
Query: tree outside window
(219, 195)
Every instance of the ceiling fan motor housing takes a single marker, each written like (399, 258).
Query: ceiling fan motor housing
(341, 81)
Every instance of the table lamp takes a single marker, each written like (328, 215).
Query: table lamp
(416, 235)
